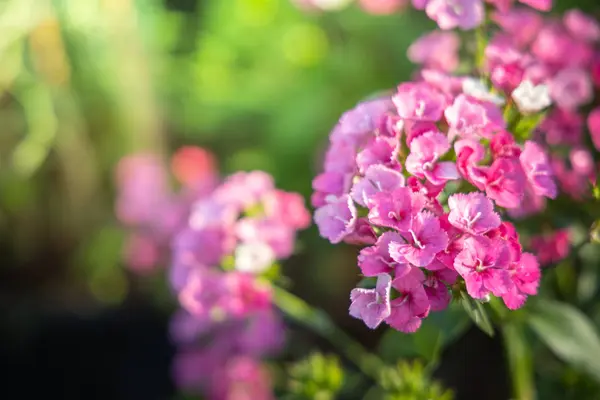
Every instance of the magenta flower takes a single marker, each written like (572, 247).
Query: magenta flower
(536, 165)
(336, 219)
(436, 288)
(411, 306)
(372, 305)
(422, 162)
(552, 248)
(505, 182)
(593, 124)
(424, 239)
(437, 50)
(571, 88)
(378, 178)
(375, 260)
(526, 277)
(450, 14)
(472, 213)
(395, 209)
(483, 265)
(562, 127)
(419, 102)
(470, 118)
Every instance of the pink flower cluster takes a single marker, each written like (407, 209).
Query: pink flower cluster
(148, 207)
(390, 163)
(221, 240)
(531, 49)
(232, 237)
(376, 7)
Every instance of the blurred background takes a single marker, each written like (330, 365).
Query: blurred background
(85, 82)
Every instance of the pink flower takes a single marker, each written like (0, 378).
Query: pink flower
(383, 7)
(357, 124)
(593, 123)
(372, 305)
(288, 208)
(505, 182)
(469, 153)
(468, 117)
(336, 219)
(424, 239)
(450, 14)
(329, 183)
(436, 288)
(194, 166)
(142, 253)
(521, 23)
(363, 233)
(419, 101)
(380, 150)
(206, 246)
(425, 151)
(411, 306)
(472, 213)
(243, 378)
(483, 265)
(395, 209)
(542, 5)
(378, 178)
(536, 165)
(553, 248)
(582, 26)
(571, 88)
(437, 50)
(562, 127)
(503, 145)
(375, 260)
(142, 189)
(526, 276)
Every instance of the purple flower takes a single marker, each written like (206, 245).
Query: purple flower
(336, 219)
(423, 240)
(483, 265)
(472, 213)
(380, 150)
(357, 124)
(372, 305)
(425, 151)
(437, 50)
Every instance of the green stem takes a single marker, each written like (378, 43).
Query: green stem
(319, 322)
(519, 361)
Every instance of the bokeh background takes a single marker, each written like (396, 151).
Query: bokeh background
(85, 82)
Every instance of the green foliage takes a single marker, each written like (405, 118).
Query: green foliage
(476, 311)
(408, 381)
(318, 377)
(569, 333)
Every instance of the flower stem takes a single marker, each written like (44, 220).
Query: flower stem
(319, 322)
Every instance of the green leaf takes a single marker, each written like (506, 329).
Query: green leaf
(477, 312)
(519, 356)
(568, 333)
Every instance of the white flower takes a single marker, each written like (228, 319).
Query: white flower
(254, 257)
(476, 88)
(531, 98)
